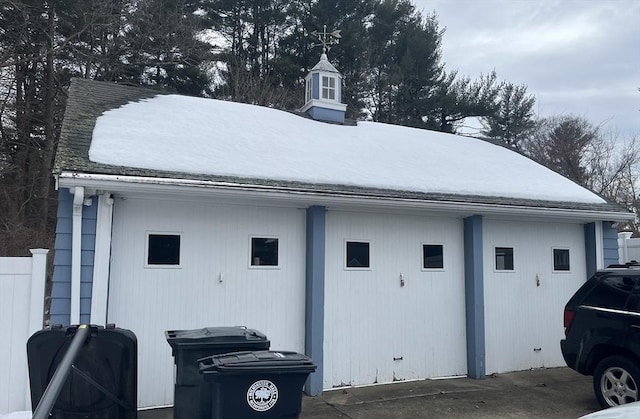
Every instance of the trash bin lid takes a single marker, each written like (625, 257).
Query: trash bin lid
(214, 336)
(257, 361)
(103, 382)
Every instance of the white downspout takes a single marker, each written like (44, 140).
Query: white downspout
(76, 253)
(100, 288)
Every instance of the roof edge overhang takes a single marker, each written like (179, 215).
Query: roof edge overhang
(139, 185)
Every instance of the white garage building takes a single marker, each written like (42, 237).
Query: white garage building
(384, 253)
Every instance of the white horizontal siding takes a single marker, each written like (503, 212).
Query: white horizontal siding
(214, 246)
(370, 319)
(524, 308)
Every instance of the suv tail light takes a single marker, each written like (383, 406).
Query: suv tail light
(568, 318)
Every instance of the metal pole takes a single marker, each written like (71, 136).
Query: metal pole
(52, 391)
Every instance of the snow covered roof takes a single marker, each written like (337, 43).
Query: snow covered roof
(123, 130)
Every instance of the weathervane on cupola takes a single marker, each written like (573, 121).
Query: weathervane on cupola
(323, 84)
(325, 38)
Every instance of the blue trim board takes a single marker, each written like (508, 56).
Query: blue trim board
(474, 297)
(590, 248)
(609, 243)
(314, 296)
(315, 86)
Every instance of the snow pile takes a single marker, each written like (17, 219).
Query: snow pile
(213, 137)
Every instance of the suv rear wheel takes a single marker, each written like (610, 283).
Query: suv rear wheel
(615, 381)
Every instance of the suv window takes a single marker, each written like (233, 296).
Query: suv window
(611, 292)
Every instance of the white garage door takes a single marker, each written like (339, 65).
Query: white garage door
(524, 305)
(393, 320)
(214, 283)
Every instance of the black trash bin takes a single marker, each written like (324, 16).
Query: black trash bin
(192, 400)
(102, 383)
(259, 384)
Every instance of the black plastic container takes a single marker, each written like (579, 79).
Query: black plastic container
(259, 384)
(102, 383)
(192, 398)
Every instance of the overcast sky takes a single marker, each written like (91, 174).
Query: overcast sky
(578, 57)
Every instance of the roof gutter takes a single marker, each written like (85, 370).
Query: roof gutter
(138, 184)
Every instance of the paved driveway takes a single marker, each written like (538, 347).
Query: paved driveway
(544, 393)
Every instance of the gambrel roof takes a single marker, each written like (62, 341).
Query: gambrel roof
(125, 131)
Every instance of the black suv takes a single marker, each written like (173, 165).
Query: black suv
(602, 329)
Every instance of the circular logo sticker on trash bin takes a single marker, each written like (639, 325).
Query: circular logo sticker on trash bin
(262, 395)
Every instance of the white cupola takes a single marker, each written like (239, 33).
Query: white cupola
(323, 93)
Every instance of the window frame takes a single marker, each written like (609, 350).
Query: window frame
(553, 260)
(495, 259)
(250, 258)
(150, 233)
(422, 268)
(346, 258)
(329, 89)
(308, 89)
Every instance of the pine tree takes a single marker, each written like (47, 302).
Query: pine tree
(250, 32)
(456, 99)
(29, 118)
(163, 47)
(514, 118)
(403, 63)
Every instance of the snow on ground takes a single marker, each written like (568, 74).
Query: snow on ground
(213, 137)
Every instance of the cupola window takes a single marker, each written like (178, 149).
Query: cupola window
(328, 88)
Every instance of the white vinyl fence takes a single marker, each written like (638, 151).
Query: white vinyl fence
(628, 248)
(22, 286)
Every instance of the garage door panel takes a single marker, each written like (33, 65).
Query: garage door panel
(398, 313)
(524, 308)
(214, 285)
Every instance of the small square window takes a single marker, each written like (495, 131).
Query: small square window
(561, 260)
(432, 256)
(504, 258)
(163, 249)
(264, 251)
(357, 255)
